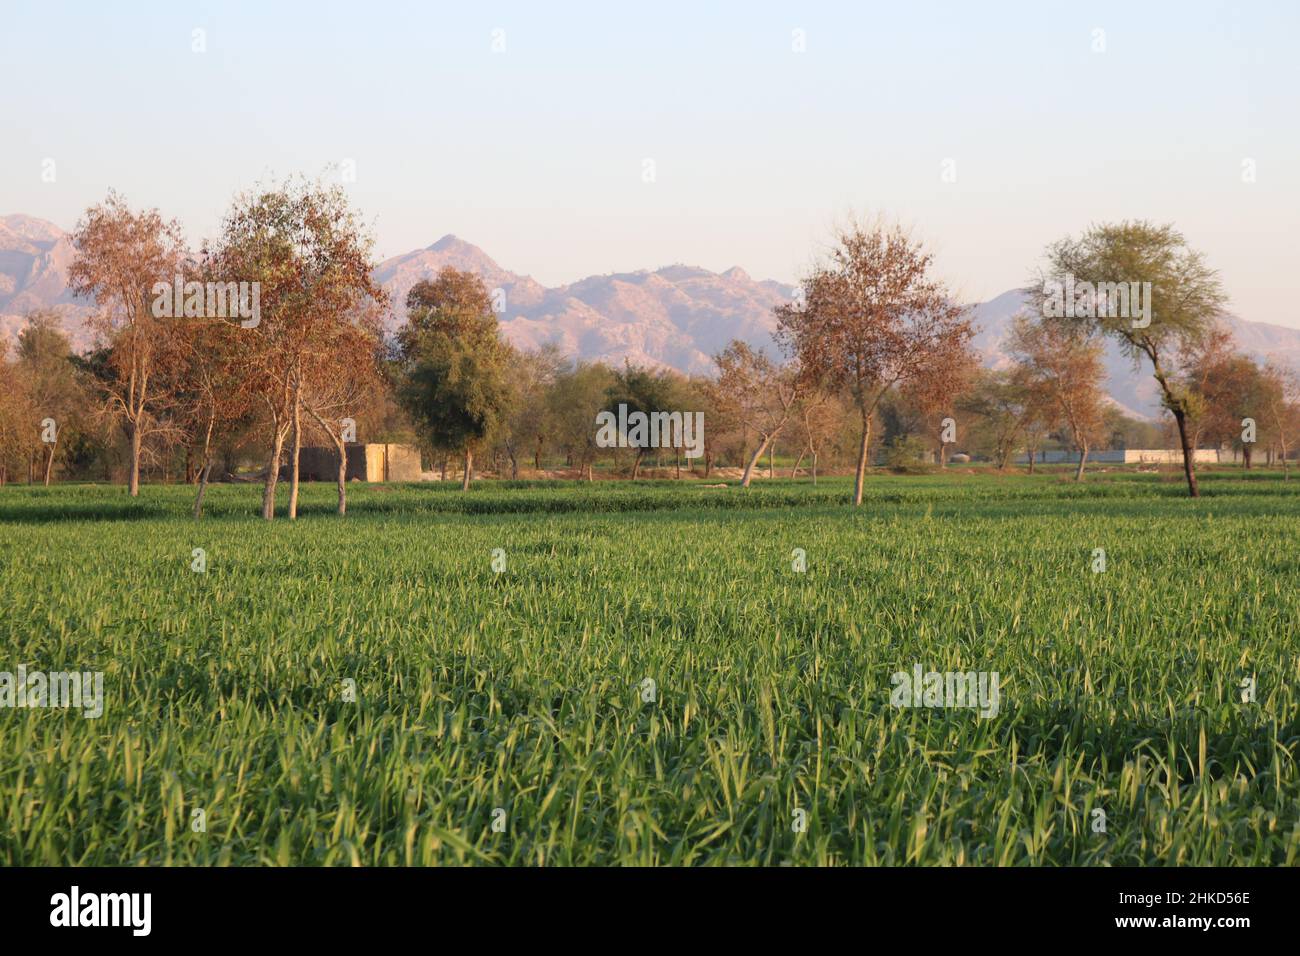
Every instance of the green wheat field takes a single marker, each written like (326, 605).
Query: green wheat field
(650, 681)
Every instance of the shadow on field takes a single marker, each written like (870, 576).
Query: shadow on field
(27, 513)
(948, 496)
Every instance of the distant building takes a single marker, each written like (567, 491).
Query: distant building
(366, 462)
(1124, 456)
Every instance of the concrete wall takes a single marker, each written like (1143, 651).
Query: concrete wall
(373, 462)
(1163, 456)
(392, 462)
(1125, 456)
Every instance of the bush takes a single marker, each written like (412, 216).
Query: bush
(908, 454)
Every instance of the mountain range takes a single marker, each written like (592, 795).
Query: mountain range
(675, 316)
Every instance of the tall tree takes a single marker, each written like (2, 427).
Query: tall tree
(311, 257)
(454, 365)
(872, 318)
(1185, 298)
(120, 256)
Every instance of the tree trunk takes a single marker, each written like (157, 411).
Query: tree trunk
(1031, 461)
(49, 461)
(343, 476)
(814, 467)
(771, 459)
(295, 448)
(469, 468)
(272, 475)
(794, 472)
(205, 466)
(1188, 467)
(133, 482)
(636, 465)
(861, 472)
(753, 463)
(1245, 457)
(203, 486)
(1083, 458)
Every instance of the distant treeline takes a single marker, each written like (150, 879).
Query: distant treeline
(871, 363)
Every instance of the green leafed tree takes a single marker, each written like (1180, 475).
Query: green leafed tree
(641, 390)
(1185, 299)
(574, 400)
(454, 367)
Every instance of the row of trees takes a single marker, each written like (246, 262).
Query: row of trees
(873, 347)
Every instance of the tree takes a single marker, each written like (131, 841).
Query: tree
(934, 398)
(725, 433)
(1003, 406)
(51, 382)
(209, 394)
(305, 248)
(1227, 388)
(529, 424)
(335, 398)
(871, 318)
(641, 390)
(820, 418)
(1183, 299)
(683, 395)
(760, 394)
(1202, 363)
(1282, 408)
(19, 419)
(1063, 365)
(454, 364)
(578, 395)
(120, 256)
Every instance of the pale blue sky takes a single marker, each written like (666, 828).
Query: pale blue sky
(536, 153)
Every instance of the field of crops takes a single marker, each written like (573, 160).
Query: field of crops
(651, 681)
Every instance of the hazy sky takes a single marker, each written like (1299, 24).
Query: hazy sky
(537, 152)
